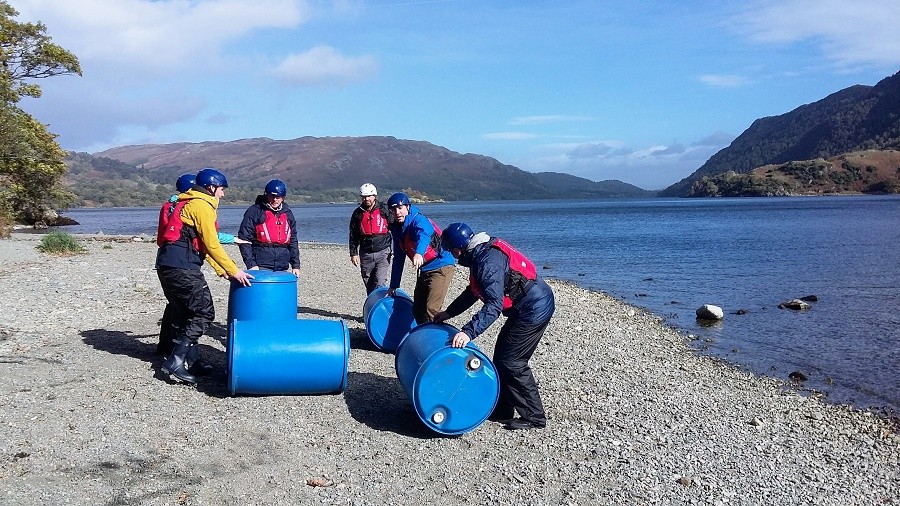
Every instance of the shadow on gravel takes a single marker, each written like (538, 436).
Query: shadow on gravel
(381, 403)
(359, 340)
(328, 314)
(117, 342)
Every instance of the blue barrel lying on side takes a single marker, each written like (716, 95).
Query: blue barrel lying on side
(388, 319)
(453, 390)
(271, 296)
(305, 357)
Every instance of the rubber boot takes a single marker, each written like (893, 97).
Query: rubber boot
(175, 365)
(194, 365)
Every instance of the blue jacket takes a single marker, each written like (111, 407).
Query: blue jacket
(490, 267)
(267, 256)
(417, 228)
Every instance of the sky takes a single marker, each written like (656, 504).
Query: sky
(638, 91)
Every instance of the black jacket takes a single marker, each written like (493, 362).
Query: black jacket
(268, 256)
(359, 243)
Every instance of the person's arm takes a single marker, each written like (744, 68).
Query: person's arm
(353, 237)
(295, 247)
(490, 273)
(397, 262)
(202, 215)
(247, 232)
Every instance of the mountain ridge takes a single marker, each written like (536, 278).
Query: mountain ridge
(856, 118)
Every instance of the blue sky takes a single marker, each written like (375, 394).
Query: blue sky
(639, 91)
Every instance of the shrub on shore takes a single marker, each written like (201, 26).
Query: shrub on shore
(60, 243)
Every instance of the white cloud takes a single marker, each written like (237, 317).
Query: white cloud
(723, 80)
(651, 167)
(509, 136)
(862, 32)
(323, 65)
(170, 36)
(540, 120)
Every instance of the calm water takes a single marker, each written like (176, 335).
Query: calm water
(672, 256)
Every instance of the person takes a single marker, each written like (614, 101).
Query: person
(506, 282)
(419, 238)
(270, 230)
(185, 240)
(370, 238)
(166, 333)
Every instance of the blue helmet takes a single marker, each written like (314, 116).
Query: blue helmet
(211, 177)
(398, 199)
(185, 182)
(456, 235)
(276, 187)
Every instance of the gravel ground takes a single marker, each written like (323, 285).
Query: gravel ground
(635, 417)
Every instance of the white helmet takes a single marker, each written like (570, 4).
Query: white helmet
(367, 189)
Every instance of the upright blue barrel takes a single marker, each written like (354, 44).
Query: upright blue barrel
(453, 390)
(304, 357)
(271, 296)
(388, 319)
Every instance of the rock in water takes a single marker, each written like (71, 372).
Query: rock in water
(710, 312)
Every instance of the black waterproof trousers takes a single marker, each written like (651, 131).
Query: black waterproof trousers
(516, 342)
(190, 309)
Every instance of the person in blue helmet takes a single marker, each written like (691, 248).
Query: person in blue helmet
(420, 239)
(270, 230)
(507, 283)
(185, 240)
(166, 333)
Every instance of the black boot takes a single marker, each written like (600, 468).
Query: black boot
(175, 365)
(194, 365)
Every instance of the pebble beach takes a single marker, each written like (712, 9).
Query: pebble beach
(634, 415)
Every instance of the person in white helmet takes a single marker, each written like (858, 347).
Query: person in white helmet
(370, 238)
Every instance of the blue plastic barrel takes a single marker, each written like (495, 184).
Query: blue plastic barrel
(388, 319)
(271, 296)
(305, 357)
(453, 390)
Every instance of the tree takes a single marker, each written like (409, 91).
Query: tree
(31, 161)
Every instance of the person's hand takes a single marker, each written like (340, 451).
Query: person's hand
(296, 272)
(441, 317)
(254, 268)
(460, 340)
(354, 259)
(418, 260)
(238, 240)
(242, 277)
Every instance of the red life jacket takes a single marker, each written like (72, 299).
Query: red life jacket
(373, 222)
(275, 230)
(520, 277)
(409, 247)
(171, 229)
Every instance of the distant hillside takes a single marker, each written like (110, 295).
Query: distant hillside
(871, 171)
(853, 119)
(321, 170)
(569, 186)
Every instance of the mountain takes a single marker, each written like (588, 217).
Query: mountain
(854, 119)
(569, 186)
(323, 170)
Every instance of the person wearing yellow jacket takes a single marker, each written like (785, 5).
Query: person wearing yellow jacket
(186, 239)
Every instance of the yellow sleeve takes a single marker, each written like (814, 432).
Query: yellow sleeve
(202, 215)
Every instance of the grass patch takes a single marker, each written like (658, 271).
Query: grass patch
(60, 243)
